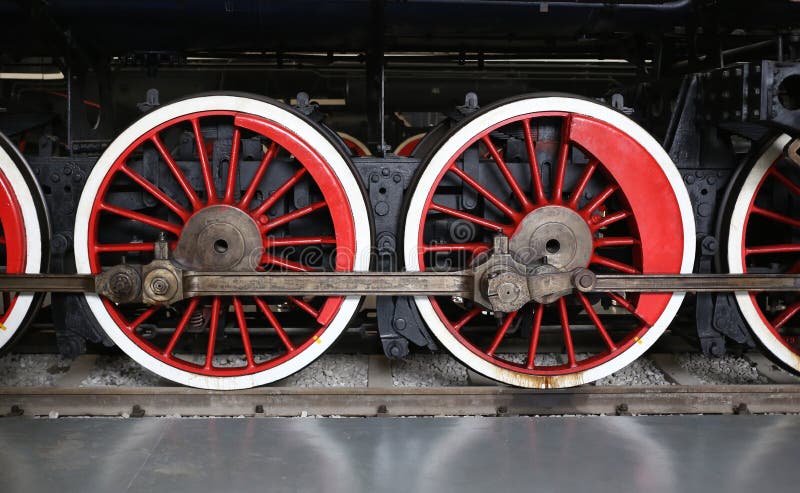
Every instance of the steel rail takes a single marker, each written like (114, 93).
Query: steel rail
(368, 401)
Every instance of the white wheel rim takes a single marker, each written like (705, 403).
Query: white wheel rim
(33, 241)
(314, 139)
(440, 160)
(736, 233)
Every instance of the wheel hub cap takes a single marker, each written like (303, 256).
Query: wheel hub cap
(555, 235)
(220, 238)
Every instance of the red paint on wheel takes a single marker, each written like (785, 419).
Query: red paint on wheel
(12, 237)
(334, 208)
(759, 253)
(646, 208)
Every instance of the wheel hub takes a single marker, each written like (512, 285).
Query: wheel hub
(554, 235)
(220, 238)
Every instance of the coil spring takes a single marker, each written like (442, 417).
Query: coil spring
(197, 321)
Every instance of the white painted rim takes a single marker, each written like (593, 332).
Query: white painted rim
(314, 139)
(440, 160)
(33, 241)
(736, 233)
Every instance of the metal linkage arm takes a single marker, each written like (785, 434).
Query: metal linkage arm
(329, 283)
(696, 283)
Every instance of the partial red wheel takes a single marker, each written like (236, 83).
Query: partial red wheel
(572, 184)
(356, 147)
(406, 148)
(24, 237)
(231, 183)
(763, 224)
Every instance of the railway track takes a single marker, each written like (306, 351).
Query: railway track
(445, 401)
(686, 395)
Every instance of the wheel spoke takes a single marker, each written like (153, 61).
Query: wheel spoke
(498, 338)
(187, 188)
(775, 216)
(564, 316)
(597, 322)
(474, 248)
(205, 165)
(244, 202)
(536, 328)
(580, 187)
(466, 318)
(305, 306)
(628, 307)
(142, 218)
(125, 247)
(471, 218)
(280, 192)
(494, 199)
(614, 241)
(157, 193)
(248, 349)
(614, 264)
(776, 248)
(143, 317)
(536, 177)
(291, 216)
(604, 222)
(598, 200)
(299, 241)
(563, 156)
(216, 307)
(512, 182)
(784, 180)
(291, 265)
(187, 315)
(233, 167)
(786, 315)
(275, 324)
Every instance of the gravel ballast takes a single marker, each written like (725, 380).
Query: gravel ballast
(721, 371)
(348, 370)
(32, 370)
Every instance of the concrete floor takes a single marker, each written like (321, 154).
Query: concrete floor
(598, 454)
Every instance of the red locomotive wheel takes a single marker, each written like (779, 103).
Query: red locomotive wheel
(24, 233)
(763, 224)
(215, 217)
(568, 180)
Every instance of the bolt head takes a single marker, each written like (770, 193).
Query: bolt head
(508, 292)
(121, 284)
(159, 286)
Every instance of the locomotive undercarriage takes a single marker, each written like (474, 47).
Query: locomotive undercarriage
(510, 225)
